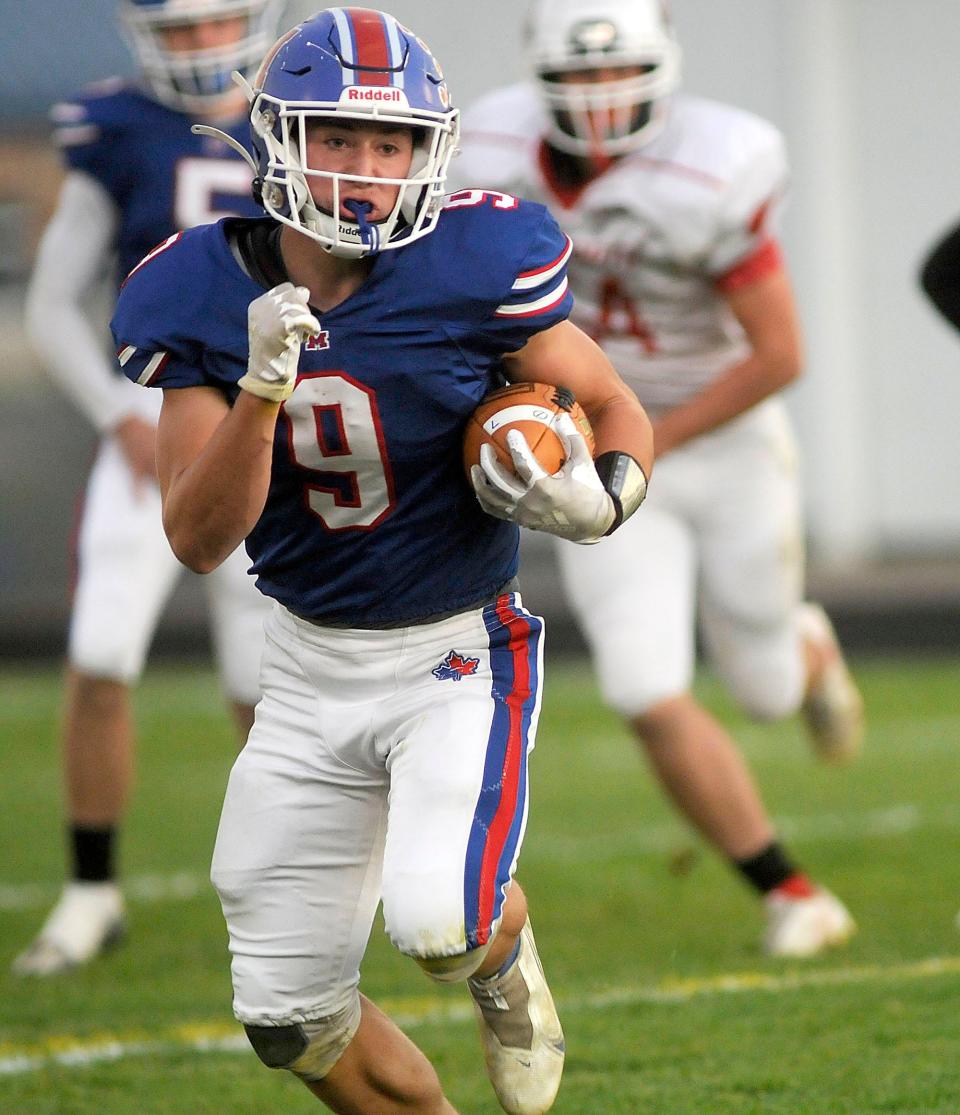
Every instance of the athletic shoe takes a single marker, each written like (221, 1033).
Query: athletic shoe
(522, 1039)
(833, 708)
(803, 919)
(87, 920)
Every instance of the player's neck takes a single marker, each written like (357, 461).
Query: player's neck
(329, 278)
(575, 171)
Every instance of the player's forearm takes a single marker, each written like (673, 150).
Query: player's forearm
(731, 394)
(73, 355)
(621, 424)
(73, 256)
(213, 504)
(566, 356)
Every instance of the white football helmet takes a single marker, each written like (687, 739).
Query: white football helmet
(196, 80)
(570, 36)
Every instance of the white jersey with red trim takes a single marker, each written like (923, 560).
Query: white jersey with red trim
(658, 237)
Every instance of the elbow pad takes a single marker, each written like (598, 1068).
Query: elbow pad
(625, 483)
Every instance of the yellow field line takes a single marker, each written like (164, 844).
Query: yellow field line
(226, 1037)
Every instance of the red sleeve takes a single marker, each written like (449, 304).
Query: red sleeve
(765, 260)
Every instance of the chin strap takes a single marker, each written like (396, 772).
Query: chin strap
(369, 234)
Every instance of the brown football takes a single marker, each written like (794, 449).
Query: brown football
(531, 408)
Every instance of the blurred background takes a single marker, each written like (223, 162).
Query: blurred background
(865, 91)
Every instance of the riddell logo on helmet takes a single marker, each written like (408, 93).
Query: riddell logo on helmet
(378, 94)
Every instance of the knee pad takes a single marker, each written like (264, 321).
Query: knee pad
(452, 969)
(307, 1049)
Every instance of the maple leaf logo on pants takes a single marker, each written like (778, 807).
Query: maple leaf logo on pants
(455, 666)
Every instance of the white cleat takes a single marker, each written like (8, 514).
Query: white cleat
(86, 921)
(521, 1033)
(804, 925)
(833, 707)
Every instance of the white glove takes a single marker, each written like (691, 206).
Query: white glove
(277, 324)
(572, 503)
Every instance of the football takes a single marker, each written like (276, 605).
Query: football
(531, 408)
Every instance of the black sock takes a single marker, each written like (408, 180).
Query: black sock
(767, 869)
(93, 853)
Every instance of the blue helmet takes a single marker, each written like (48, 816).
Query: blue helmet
(195, 80)
(351, 64)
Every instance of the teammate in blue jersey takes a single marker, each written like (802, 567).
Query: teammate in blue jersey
(318, 368)
(135, 173)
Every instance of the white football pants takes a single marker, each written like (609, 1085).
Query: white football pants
(385, 764)
(719, 540)
(126, 572)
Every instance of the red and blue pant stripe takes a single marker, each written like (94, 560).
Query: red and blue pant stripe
(500, 814)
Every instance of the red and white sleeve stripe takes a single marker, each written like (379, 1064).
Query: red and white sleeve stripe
(542, 282)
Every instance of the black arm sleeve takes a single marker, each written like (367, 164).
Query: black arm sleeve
(940, 276)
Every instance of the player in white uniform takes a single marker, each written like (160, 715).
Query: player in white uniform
(135, 174)
(670, 202)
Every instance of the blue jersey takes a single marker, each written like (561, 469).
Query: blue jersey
(161, 176)
(369, 520)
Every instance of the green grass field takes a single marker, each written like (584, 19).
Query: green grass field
(650, 943)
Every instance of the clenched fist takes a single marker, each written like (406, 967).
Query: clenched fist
(277, 324)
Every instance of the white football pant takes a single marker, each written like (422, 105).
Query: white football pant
(718, 540)
(385, 764)
(126, 573)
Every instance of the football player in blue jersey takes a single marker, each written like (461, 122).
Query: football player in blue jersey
(318, 367)
(135, 174)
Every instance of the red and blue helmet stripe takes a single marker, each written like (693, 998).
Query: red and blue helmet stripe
(370, 48)
(343, 47)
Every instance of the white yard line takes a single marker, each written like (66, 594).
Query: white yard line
(147, 889)
(65, 1050)
(870, 824)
